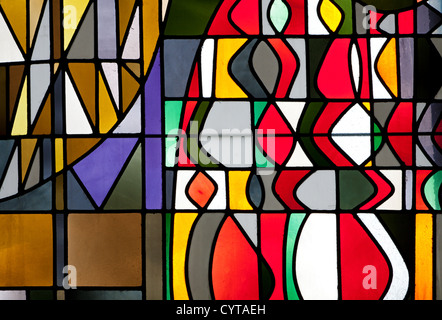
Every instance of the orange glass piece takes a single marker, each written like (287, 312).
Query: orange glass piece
(201, 190)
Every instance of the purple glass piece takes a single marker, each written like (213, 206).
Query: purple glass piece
(152, 99)
(154, 176)
(99, 170)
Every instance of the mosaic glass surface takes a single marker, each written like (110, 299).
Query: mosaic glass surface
(220, 149)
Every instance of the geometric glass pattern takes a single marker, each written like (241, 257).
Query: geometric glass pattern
(220, 149)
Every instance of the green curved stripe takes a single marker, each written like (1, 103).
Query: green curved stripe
(295, 222)
(432, 189)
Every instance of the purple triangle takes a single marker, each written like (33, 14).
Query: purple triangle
(99, 170)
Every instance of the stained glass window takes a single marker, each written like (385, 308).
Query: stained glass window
(220, 149)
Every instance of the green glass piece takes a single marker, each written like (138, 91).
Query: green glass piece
(189, 17)
(316, 156)
(279, 14)
(308, 119)
(432, 190)
(346, 6)
(295, 223)
(258, 108)
(354, 189)
(171, 145)
(377, 142)
(267, 281)
(261, 161)
(168, 231)
(172, 115)
(193, 144)
(128, 191)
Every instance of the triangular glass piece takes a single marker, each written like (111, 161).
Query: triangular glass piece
(76, 197)
(34, 172)
(132, 45)
(299, 158)
(10, 182)
(82, 46)
(101, 168)
(110, 71)
(128, 191)
(42, 45)
(132, 121)
(76, 119)
(10, 51)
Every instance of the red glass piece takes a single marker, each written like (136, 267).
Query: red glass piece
(421, 175)
(296, 25)
(363, 276)
(221, 23)
(288, 66)
(329, 116)
(334, 79)
(331, 152)
(235, 265)
(272, 248)
(402, 119)
(245, 15)
(403, 146)
(285, 187)
(194, 88)
(383, 190)
(406, 22)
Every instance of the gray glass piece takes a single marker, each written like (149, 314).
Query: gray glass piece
(318, 191)
(386, 158)
(200, 251)
(177, 67)
(43, 42)
(388, 24)
(241, 71)
(406, 54)
(270, 201)
(299, 89)
(107, 32)
(249, 222)
(266, 66)
(83, 46)
(76, 198)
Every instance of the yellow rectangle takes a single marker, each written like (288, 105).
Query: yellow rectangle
(424, 257)
(26, 250)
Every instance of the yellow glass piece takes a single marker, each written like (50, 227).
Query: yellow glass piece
(130, 87)
(84, 78)
(331, 15)
(151, 30)
(43, 124)
(59, 155)
(20, 126)
(15, 11)
(369, 164)
(225, 85)
(424, 257)
(237, 190)
(35, 9)
(182, 224)
(73, 11)
(107, 117)
(387, 66)
(367, 105)
(27, 150)
(125, 9)
(26, 250)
